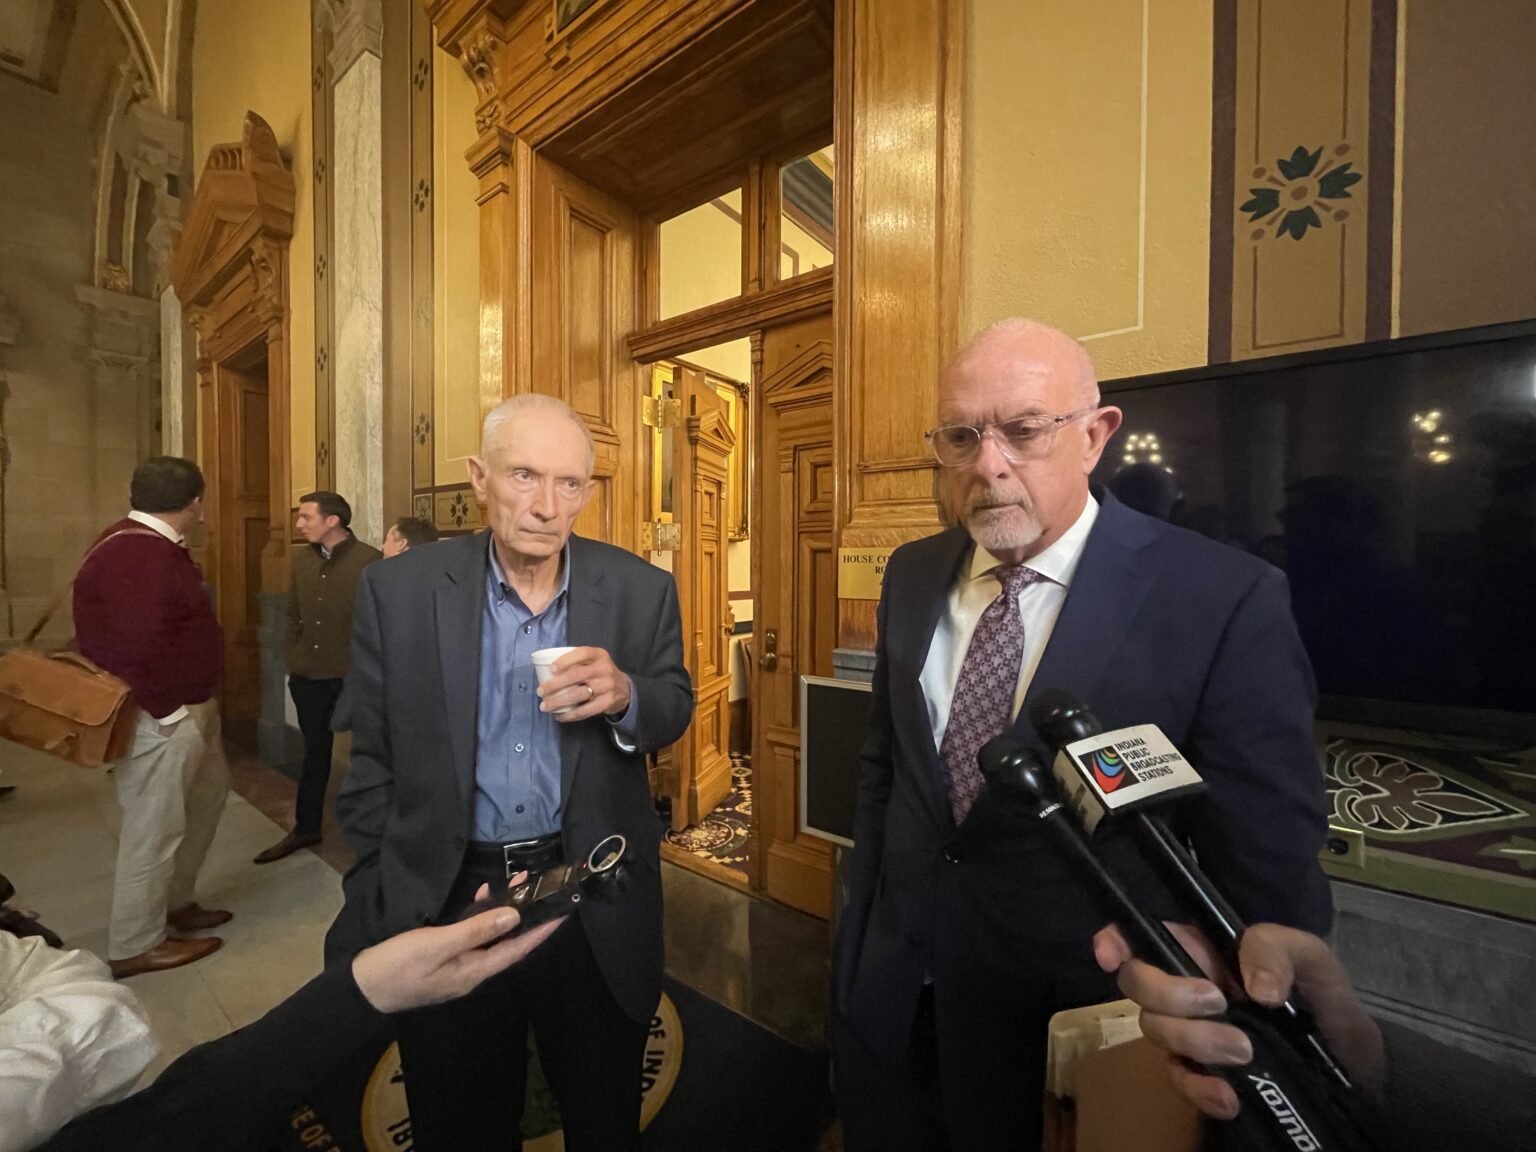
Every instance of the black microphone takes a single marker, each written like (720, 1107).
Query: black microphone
(1281, 1109)
(1284, 1105)
(1125, 773)
(1111, 784)
(1015, 773)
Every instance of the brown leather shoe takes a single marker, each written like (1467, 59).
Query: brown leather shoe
(193, 917)
(166, 954)
(288, 845)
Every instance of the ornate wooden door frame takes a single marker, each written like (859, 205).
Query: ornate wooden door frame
(230, 271)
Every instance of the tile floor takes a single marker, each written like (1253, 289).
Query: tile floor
(58, 844)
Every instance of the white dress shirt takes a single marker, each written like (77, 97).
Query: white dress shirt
(1039, 605)
(175, 537)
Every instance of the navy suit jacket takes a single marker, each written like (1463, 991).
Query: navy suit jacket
(407, 803)
(1160, 626)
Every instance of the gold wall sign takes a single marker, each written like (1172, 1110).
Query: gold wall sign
(860, 572)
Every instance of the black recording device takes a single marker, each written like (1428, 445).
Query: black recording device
(1295, 1097)
(558, 891)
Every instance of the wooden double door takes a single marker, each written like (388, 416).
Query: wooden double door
(583, 258)
(793, 588)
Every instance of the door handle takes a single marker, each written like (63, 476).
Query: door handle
(769, 660)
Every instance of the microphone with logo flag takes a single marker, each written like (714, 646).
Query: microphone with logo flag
(1295, 1095)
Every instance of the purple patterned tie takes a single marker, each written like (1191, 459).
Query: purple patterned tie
(983, 703)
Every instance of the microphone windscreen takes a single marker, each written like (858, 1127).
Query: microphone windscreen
(1061, 717)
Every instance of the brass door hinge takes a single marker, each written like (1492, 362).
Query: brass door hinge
(661, 413)
(656, 536)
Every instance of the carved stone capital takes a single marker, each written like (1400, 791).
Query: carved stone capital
(163, 234)
(119, 362)
(357, 26)
(152, 144)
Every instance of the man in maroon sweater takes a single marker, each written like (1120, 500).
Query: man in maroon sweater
(142, 614)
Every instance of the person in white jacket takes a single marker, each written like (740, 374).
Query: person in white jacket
(71, 1038)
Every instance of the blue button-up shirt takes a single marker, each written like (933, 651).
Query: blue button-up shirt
(517, 755)
(517, 749)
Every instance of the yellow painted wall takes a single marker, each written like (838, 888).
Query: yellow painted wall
(701, 257)
(1087, 166)
(1468, 132)
(255, 55)
(456, 273)
(732, 360)
(812, 253)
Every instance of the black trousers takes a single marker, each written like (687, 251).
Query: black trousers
(466, 1063)
(973, 1075)
(315, 701)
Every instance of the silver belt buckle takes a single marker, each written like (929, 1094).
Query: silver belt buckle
(508, 867)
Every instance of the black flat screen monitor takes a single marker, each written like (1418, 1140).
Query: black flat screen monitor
(834, 719)
(1395, 484)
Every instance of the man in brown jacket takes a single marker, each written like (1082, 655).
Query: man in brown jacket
(325, 573)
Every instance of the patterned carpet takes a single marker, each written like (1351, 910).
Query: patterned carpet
(725, 835)
(1453, 821)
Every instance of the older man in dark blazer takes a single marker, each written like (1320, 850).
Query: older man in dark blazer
(465, 769)
(964, 933)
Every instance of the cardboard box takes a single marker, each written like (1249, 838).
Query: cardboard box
(1106, 1089)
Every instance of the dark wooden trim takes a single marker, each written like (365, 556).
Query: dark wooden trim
(395, 160)
(803, 297)
(1380, 184)
(1223, 178)
(1404, 345)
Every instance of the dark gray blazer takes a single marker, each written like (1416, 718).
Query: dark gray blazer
(407, 802)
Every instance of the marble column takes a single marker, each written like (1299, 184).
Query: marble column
(153, 144)
(358, 249)
(173, 379)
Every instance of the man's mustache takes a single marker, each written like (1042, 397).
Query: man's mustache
(996, 497)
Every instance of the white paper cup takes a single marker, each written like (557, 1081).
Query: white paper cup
(543, 667)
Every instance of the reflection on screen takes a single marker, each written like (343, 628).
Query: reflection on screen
(1398, 493)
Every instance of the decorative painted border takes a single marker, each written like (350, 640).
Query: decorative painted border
(323, 109)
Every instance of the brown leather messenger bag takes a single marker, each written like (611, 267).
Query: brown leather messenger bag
(62, 703)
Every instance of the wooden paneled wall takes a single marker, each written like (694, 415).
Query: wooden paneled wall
(898, 266)
(897, 95)
(583, 305)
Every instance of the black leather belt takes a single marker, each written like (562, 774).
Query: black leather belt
(515, 856)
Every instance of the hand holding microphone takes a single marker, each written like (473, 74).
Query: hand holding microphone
(1124, 774)
(1276, 962)
(1293, 1094)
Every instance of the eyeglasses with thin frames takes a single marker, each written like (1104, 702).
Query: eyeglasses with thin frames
(1021, 438)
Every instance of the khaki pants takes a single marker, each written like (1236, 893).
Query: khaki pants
(171, 788)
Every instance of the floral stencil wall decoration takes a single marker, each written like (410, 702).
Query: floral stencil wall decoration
(1300, 193)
